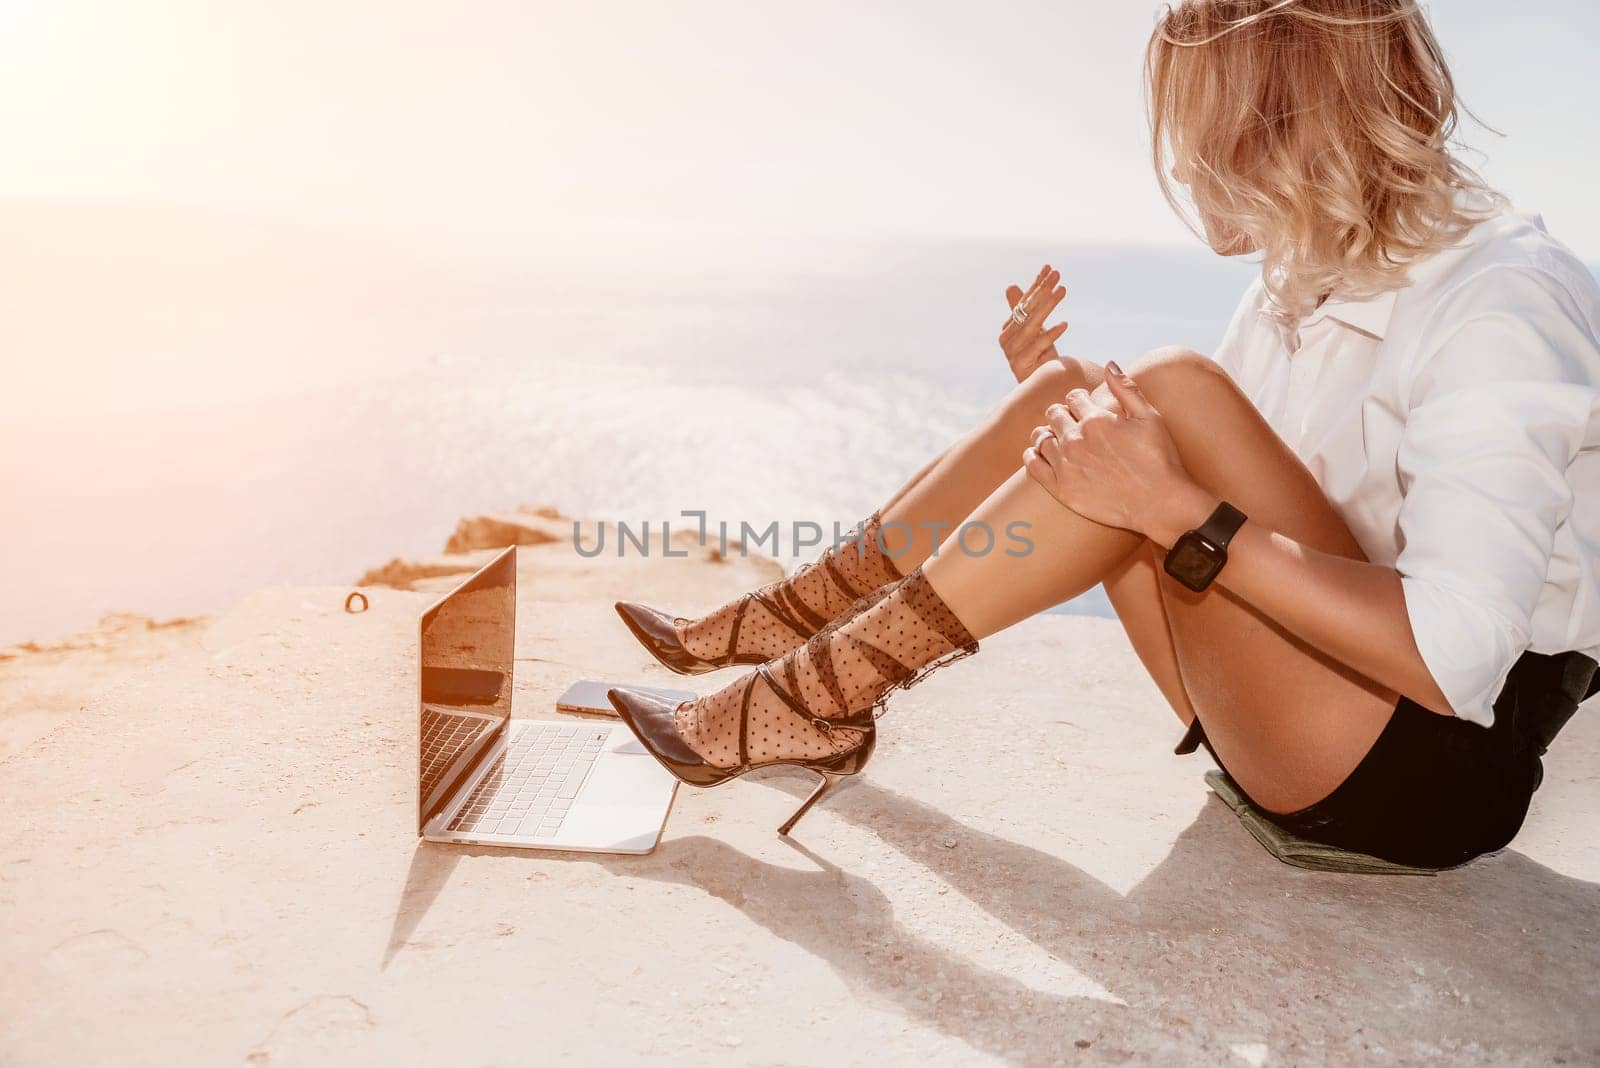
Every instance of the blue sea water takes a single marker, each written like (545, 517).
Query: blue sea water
(327, 418)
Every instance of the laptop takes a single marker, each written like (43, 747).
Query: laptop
(487, 777)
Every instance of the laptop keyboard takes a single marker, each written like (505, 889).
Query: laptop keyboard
(530, 786)
(444, 735)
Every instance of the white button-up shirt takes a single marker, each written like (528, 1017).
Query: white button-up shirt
(1455, 425)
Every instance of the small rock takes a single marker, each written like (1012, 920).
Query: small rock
(949, 843)
(732, 1041)
(1082, 1043)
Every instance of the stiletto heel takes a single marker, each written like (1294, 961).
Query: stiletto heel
(828, 779)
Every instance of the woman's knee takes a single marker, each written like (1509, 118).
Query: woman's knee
(1228, 447)
(1024, 406)
(1174, 372)
(1175, 360)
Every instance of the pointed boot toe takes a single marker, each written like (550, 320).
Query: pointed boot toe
(651, 719)
(658, 632)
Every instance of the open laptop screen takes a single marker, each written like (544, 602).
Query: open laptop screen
(467, 650)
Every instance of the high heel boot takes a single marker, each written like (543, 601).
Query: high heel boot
(816, 707)
(766, 623)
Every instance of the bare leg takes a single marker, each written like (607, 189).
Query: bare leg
(1134, 589)
(955, 482)
(942, 492)
(1289, 721)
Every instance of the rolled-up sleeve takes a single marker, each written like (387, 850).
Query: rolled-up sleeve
(1499, 404)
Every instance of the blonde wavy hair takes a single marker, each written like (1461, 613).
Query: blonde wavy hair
(1316, 132)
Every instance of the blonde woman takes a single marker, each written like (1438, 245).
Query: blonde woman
(1356, 549)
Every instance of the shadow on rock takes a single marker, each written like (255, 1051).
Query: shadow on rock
(1220, 937)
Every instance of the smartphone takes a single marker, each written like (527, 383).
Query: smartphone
(588, 697)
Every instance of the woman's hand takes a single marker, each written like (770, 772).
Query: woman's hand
(1114, 468)
(1028, 344)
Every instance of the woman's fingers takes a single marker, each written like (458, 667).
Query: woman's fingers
(1127, 391)
(1039, 278)
(1047, 304)
(1041, 301)
(1078, 403)
(1043, 347)
(1037, 304)
(1049, 451)
(1059, 421)
(1028, 344)
(1015, 294)
(1042, 284)
(1039, 468)
(1046, 446)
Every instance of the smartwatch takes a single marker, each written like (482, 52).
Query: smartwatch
(1197, 556)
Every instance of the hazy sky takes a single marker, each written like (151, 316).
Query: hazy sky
(987, 119)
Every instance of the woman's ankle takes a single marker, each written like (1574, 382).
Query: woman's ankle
(778, 617)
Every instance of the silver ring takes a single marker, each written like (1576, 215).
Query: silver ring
(1019, 314)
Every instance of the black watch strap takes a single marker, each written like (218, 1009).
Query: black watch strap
(1220, 527)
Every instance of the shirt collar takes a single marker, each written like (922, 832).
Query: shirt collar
(1369, 315)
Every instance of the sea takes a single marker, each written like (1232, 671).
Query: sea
(195, 407)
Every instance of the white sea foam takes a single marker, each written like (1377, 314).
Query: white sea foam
(798, 391)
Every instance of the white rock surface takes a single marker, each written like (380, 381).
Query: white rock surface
(216, 862)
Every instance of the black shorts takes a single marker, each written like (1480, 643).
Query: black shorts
(1435, 791)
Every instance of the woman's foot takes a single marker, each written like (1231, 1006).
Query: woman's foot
(769, 622)
(817, 701)
(814, 707)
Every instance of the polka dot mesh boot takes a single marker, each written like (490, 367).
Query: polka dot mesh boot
(769, 622)
(815, 706)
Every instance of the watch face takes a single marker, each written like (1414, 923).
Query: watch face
(1193, 561)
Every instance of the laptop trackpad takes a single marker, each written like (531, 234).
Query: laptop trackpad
(622, 807)
(621, 779)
